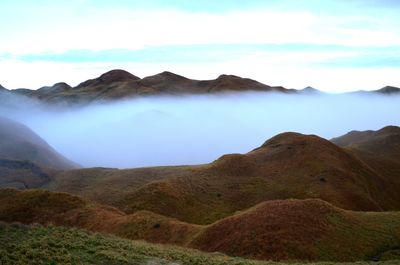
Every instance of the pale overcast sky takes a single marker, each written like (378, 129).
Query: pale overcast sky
(331, 45)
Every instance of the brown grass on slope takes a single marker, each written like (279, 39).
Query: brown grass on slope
(279, 230)
(303, 229)
(289, 165)
(40, 206)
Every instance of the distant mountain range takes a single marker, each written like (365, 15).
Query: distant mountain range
(118, 84)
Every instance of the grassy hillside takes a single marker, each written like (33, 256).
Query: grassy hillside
(274, 230)
(40, 206)
(21, 244)
(287, 166)
(384, 142)
(303, 230)
(107, 185)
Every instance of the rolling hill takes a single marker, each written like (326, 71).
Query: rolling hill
(296, 197)
(275, 230)
(289, 165)
(57, 245)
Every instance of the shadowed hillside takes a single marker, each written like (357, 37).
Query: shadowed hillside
(18, 142)
(384, 142)
(22, 174)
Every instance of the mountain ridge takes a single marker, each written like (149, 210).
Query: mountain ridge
(120, 84)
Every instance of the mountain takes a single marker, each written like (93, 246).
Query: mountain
(310, 90)
(113, 76)
(274, 230)
(18, 142)
(117, 84)
(384, 142)
(388, 90)
(289, 165)
(295, 197)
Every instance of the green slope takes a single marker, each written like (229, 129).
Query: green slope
(20, 244)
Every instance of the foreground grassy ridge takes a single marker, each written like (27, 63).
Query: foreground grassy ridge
(304, 230)
(282, 230)
(20, 244)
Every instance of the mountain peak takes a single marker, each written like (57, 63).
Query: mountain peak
(170, 75)
(390, 129)
(289, 138)
(225, 76)
(110, 77)
(388, 90)
(117, 75)
(309, 89)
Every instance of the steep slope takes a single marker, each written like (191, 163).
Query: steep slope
(18, 142)
(279, 230)
(289, 165)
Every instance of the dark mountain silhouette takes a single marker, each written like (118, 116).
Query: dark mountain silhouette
(388, 90)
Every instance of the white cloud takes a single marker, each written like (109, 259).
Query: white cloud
(111, 29)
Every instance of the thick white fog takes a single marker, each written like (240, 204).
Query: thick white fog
(197, 129)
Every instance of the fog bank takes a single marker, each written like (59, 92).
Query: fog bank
(155, 131)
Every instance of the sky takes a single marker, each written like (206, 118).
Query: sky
(334, 46)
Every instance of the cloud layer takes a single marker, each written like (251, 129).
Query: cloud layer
(191, 130)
